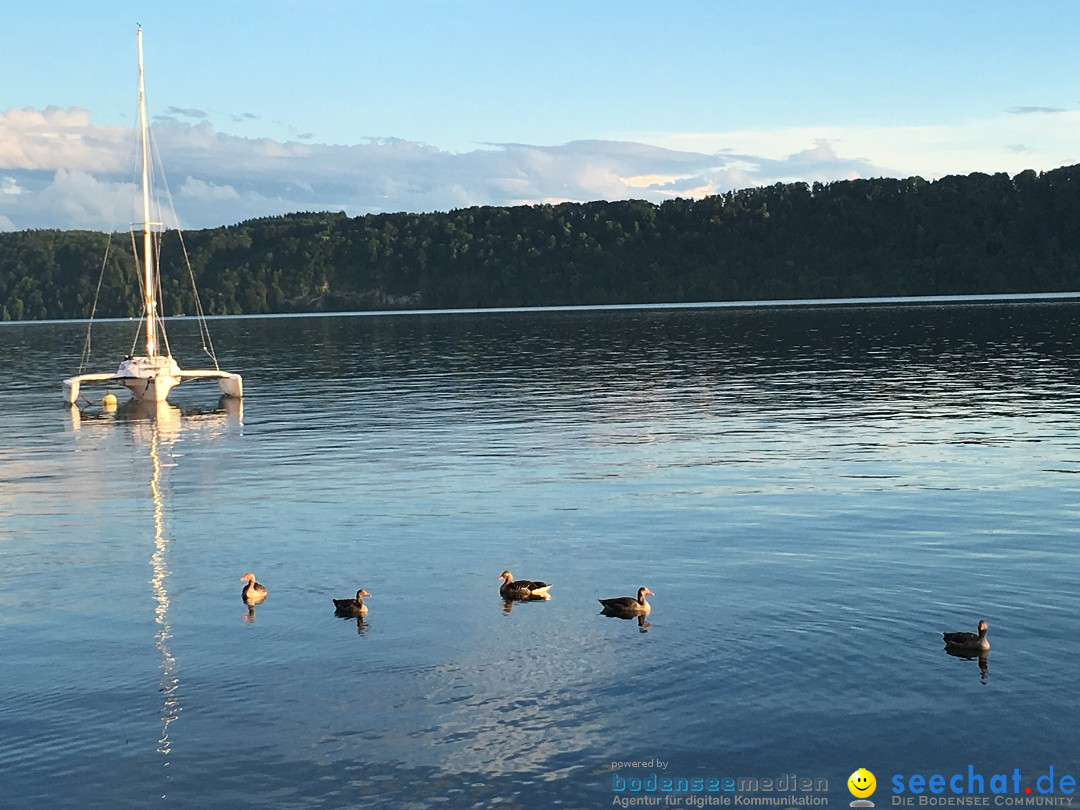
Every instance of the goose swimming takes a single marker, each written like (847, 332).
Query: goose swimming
(968, 642)
(522, 588)
(627, 605)
(254, 592)
(352, 607)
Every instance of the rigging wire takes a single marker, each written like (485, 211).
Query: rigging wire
(156, 170)
(132, 160)
(159, 319)
(156, 173)
(200, 315)
(84, 361)
(142, 290)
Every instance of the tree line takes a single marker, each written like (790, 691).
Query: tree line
(969, 234)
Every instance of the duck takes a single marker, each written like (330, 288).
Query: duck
(627, 605)
(522, 588)
(964, 642)
(254, 592)
(352, 607)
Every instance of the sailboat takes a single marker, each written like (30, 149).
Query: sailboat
(150, 376)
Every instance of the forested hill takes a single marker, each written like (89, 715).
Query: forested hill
(959, 235)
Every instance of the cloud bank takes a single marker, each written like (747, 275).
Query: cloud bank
(60, 170)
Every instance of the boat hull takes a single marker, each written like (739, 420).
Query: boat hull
(149, 378)
(155, 389)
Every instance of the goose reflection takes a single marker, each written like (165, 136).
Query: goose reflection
(362, 627)
(642, 623)
(982, 657)
(509, 603)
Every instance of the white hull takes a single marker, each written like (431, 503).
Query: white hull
(155, 390)
(150, 379)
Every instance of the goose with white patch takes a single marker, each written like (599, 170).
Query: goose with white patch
(522, 588)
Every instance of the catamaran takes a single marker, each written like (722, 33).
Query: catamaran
(150, 376)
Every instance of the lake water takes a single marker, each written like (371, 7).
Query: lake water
(813, 494)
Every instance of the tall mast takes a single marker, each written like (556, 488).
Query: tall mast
(149, 287)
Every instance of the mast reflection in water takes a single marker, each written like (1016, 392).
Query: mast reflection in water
(157, 426)
(170, 682)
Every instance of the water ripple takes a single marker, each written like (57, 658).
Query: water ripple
(813, 494)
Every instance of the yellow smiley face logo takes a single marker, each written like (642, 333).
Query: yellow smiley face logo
(861, 783)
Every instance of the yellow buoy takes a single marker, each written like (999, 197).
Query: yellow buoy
(108, 402)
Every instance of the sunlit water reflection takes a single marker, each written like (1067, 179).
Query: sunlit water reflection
(812, 493)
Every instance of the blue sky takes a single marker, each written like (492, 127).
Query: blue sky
(366, 106)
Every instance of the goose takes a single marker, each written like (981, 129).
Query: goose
(522, 588)
(352, 607)
(627, 605)
(968, 642)
(254, 592)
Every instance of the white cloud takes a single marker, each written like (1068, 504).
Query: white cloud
(205, 192)
(186, 112)
(1049, 138)
(85, 201)
(1035, 110)
(59, 138)
(59, 169)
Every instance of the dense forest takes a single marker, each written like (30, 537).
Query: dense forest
(969, 234)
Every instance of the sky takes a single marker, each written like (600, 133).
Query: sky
(369, 106)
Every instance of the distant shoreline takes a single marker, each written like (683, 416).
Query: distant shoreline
(808, 303)
(856, 240)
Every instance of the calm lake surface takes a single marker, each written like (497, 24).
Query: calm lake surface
(813, 494)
